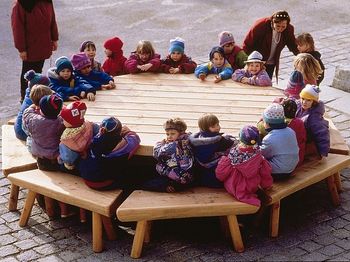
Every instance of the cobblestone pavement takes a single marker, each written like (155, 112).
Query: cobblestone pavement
(311, 228)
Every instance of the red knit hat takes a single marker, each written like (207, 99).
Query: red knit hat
(74, 113)
(114, 44)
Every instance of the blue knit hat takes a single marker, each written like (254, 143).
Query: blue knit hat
(216, 49)
(51, 105)
(36, 79)
(274, 114)
(63, 63)
(177, 45)
(110, 124)
(249, 135)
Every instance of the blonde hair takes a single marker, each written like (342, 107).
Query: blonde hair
(206, 121)
(175, 123)
(308, 66)
(37, 92)
(145, 47)
(306, 39)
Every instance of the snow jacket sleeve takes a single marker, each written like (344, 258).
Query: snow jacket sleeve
(224, 168)
(201, 69)
(131, 64)
(238, 75)
(261, 79)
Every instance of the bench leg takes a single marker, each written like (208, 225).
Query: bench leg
(27, 209)
(109, 228)
(147, 238)
(139, 237)
(225, 229)
(275, 219)
(333, 190)
(97, 242)
(14, 191)
(337, 180)
(235, 233)
(49, 206)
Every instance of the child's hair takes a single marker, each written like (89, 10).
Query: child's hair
(306, 38)
(308, 66)
(145, 47)
(87, 44)
(280, 16)
(175, 123)
(206, 121)
(216, 49)
(37, 92)
(289, 107)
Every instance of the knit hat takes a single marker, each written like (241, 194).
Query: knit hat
(274, 114)
(84, 44)
(310, 92)
(175, 123)
(80, 60)
(225, 38)
(216, 49)
(74, 113)
(114, 44)
(249, 135)
(290, 108)
(51, 105)
(63, 63)
(111, 124)
(36, 79)
(255, 56)
(177, 45)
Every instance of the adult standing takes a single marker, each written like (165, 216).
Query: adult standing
(35, 34)
(269, 36)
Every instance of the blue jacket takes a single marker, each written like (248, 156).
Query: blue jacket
(27, 102)
(95, 78)
(225, 72)
(71, 87)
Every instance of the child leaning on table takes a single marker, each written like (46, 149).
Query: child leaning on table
(114, 62)
(208, 146)
(89, 48)
(177, 62)
(66, 84)
(245, 169)
(106, 164)
(254, 72)
(143, 59)
(41, 82)
(217, 65)
(310, 111)
(82, 68)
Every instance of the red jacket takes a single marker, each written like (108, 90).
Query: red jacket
(34, 32)
(133, 61)
(114, 65)
(186, 65)
(259, 38)
(298, 126)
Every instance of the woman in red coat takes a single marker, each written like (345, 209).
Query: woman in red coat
(269, 36)
(35, 34)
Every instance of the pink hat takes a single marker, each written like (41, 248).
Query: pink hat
(80, 61)
(225, 38)
(74, 113)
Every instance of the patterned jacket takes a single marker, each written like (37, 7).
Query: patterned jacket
(225, 72)
(260, 79)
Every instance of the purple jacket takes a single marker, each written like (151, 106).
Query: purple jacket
(261, 79)
(133, 61)
(45, 133)
(316, 126)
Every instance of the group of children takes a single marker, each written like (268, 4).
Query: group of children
(61, 139)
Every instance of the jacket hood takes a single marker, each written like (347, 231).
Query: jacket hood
(51, 73)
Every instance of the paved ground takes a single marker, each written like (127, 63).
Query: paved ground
(312, 229)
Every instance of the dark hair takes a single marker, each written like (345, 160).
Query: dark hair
(290, 108)
(87, 44)
(280, 16)
(216, 49)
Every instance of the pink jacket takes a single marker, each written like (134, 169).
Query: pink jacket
(243, 179)
(133, 61)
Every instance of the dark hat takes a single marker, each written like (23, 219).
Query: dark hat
(36, 79)
(51, 105)
(216, 49)
(63, 63)
(249, 135)
(111, 124)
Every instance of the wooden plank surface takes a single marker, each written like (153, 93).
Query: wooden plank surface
(338, 143)
(15, 155)
(68, 189)
(195, 202)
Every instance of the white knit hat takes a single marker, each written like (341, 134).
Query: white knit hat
(310, 92)
(274, 114)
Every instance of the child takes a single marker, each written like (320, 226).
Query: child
(45, 129)
(106, 165)
(77, 136)
(174, 156)
(68, 86)
(89, 48)
(245, 169)
(82, 67)
(306, 44)
(233, 53)
(114, 62)
(208, 146)
(254, 72)
(290, 109)
(144, 59)
(33, 79)
(309, 67)
(279, 146)
(311, 111)
(295, 85)
(177, 62)
(217, 65)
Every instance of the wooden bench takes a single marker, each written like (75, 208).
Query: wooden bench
(144, 206)
(71, 190)
(308, 174)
